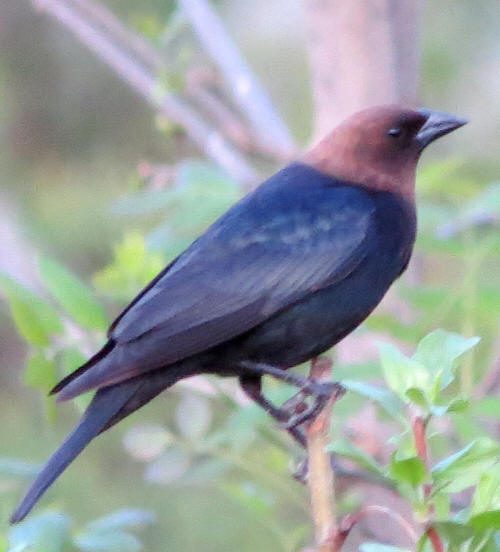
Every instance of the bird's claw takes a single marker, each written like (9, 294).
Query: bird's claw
(307, 415)
(322, 393)
(296, 403)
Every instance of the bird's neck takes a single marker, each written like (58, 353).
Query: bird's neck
(374, 174)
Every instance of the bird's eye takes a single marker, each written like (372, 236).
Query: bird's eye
(394, 132)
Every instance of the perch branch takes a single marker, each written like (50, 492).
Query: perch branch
(243, 85)
(321, 481)
(143, 82)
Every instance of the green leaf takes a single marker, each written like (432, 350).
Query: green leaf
(454, 532)
(47, 532)
(456, 405)
(76, 298)
(408, 470)
(346, 449)
(465, 467)
(486, 520)
(438, 352)
(384, 398)
(35, 319)
(40, 372)
(421, 378)
(402, 373)
(131, 269)
(487, 493)
(118, 541)
(417, 396)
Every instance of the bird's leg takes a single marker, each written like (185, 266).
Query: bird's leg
(320, 391)
(251, 385)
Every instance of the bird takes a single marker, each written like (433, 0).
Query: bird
(281, 277)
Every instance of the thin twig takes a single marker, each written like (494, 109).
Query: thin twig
(199, 89)
(321, 479)
(243, 85)
(121, 34)
(141, 80)
(349, 521)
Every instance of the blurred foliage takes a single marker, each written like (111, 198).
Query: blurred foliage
(220, 479)
(52, 532)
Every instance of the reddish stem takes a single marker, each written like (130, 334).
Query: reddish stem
(420, 437)
(435, 539)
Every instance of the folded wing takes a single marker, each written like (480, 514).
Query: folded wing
(279, 244)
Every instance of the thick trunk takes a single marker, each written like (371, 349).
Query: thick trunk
(362, 53)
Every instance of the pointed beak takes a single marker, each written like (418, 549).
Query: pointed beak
(438, 124)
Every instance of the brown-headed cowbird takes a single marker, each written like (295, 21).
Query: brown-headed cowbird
(281, 277)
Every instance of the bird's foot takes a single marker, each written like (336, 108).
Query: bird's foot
(321, 392)
(295, 404)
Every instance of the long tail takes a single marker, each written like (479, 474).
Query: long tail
(109, 406)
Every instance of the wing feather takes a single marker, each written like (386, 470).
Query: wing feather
(281, 243)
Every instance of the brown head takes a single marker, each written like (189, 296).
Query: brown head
(379, 147)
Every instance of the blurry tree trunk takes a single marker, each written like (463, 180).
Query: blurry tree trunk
(362, 53)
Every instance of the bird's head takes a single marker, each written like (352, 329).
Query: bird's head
(379, 147)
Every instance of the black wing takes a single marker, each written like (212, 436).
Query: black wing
(297, 233)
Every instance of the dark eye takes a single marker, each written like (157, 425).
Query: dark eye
(394, 132)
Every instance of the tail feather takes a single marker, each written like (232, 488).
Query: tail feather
(106, 404)
(109, 406)
(102, 353)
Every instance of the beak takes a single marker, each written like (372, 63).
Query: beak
(438, 124)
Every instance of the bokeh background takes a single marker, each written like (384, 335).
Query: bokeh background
(81, 159)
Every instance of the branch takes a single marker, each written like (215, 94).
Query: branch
(243, 85)
(122, 34)
(321, 480)
(197, 86)
(144, 82)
